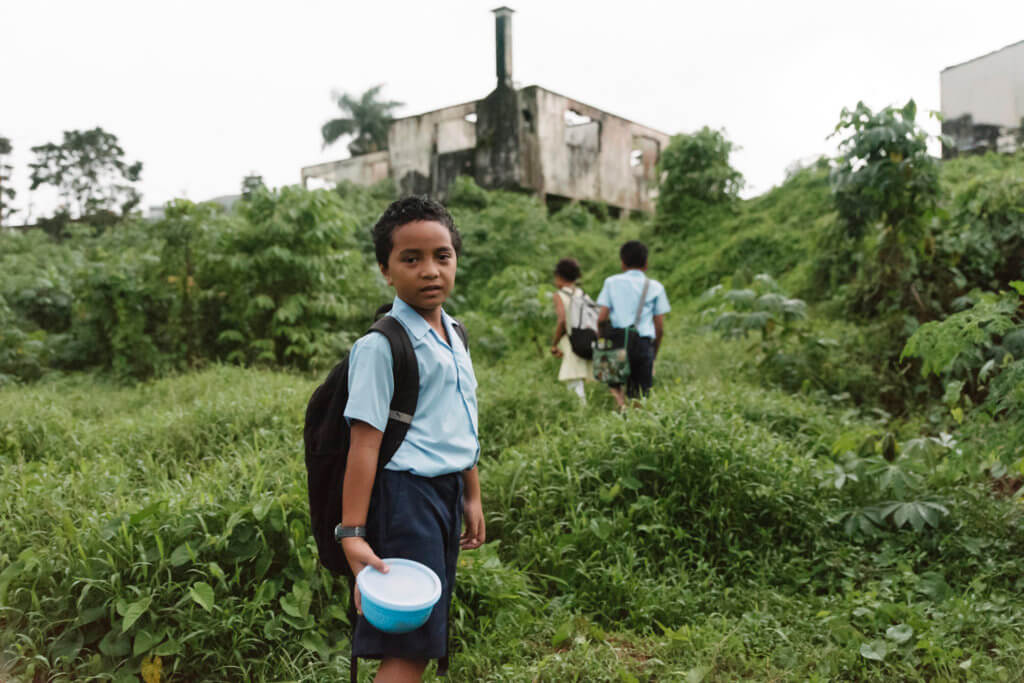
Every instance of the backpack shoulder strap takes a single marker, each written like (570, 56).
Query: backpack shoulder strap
(460, 330)
(407, 386)
(640, 306)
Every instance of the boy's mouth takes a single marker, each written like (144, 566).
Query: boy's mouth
(431, 289)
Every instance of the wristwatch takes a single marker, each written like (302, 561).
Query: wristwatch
(341, 532)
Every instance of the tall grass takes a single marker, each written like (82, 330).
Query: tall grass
(695, 537)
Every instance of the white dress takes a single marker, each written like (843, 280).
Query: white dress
(573, 367)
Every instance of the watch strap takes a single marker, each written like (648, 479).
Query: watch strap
(341, 532)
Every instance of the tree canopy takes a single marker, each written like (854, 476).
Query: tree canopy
(89, 172)
(6, 191)
(367, 118)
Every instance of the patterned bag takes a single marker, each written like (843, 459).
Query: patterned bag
(611, 353)
(611, 365)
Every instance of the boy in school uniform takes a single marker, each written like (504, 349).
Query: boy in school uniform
(620, 299)
(416, 508)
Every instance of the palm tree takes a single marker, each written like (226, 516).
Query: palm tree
(367, 119)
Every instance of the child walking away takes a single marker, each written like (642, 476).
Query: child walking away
(636, 307)
(575, 330)
(416, 504)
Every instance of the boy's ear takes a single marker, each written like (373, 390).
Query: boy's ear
(384, 272)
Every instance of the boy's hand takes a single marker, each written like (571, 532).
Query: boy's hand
(359, 554)
(475, 533)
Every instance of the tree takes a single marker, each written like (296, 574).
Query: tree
(695, 176)
(250, 184)
(6, 191)
(885, 187)
(89, 172)
(367, 118)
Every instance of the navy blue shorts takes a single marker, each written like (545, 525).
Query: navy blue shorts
(416, 518)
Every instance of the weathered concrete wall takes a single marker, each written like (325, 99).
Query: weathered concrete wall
(498, 161)
(983, 99)
(365, 169)
(608, 159)
(414, 143)
(518, 140)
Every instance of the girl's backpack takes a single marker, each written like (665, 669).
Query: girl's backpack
(581, 319)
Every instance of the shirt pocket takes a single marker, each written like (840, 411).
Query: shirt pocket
(467, 379)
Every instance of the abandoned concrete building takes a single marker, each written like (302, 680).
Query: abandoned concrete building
(528, 139)
(983, 103)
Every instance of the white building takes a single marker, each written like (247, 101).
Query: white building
(983, 102)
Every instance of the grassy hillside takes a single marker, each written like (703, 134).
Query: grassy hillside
(764, 516)
(697, 537)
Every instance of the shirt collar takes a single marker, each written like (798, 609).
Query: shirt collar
(414, 322)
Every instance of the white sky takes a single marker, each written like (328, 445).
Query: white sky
(204, 93)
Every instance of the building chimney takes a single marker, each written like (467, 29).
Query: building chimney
(503, 44)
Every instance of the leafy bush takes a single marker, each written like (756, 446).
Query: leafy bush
(289, 278)
(695, 178)
(885, 187)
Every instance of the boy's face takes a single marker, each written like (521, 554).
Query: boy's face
(421, 266)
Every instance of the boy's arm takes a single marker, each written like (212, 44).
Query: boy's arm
(603, 314)
(473, 512)
(360, 472)
(559, 325)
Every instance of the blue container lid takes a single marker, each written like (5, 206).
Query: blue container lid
(407, 587)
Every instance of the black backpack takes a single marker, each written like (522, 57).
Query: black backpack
(326, 436)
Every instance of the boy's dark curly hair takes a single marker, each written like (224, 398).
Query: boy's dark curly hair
(633, 254)
(568, 269)
(410, 210)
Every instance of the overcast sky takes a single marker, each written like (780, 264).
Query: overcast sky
(204, 93)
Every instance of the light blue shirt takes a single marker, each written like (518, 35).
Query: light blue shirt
(442, 437)
(621, 294)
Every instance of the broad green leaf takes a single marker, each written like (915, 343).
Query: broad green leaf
(114, 644)
(202, 593)
(146, 641)
(183, 554)
(632, 483)
(167, 648)
(91, 614)
(313, 641)
(900, 633)
(133, 611)
(297, 602)
(876, 650)
(261, 507)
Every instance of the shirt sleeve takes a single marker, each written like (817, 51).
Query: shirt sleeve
(661, 305)
(604, 298)
(371, 381)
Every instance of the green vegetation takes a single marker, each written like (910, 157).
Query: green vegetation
(825, 484)
(90, 174)
(366, 118)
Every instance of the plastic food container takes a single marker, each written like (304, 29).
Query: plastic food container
(401, 600)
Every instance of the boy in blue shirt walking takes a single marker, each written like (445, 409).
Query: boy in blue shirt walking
(417, 506)
(632, 298)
